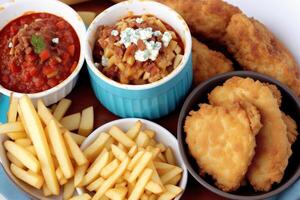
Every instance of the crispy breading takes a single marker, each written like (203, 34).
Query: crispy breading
(222, 142)
(276, 93)
(291, 128)
(207, 63)
(257, 49)
(273, 148)
(207, 18)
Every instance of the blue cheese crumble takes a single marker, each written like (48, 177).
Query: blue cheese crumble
(104, 61)
(114, 33)
(150, 53)
(139, 20)
(166, 38)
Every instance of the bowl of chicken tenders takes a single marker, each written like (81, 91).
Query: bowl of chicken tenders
(237, 134)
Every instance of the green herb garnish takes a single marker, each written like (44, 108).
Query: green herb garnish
(38, 43)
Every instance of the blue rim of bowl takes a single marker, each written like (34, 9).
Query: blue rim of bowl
(181, 139)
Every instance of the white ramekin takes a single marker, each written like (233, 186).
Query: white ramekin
(13, 9)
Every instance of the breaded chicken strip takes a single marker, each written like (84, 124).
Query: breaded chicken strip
(207, 18)
(222, 142)
(257, 49)
(291, 128)
(273, 147)
(207, 63)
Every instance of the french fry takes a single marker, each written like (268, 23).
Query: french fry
(155, 177)
(108, 183)
(161, 147)
(162, 167)
(53, 107)
(150, 133)
(84, 196)
(171, 174)
(109, 168)
(61, 179)
(171, 192)
(95, 170)
(98, 157)
(76, 152)
(43, 112)
(15, 160)
(68, 189)
(95, 185)
(11, 127)
(135, 160)
(116, 193)
(32, 179)
(17, 135)
(153, 187)
(87, 121)
(96, 147)
(60, 149)
(24, 142)
(154, 150)
(77, 138)
(87, 17)
(71, 122)
(46, 190)
(61, 109)
(13, 109)
(132, 151)
(140, 166)
(142, 139)
(31, 149)
(122, 147)
(174, 180)
(170, 156)
(23, 155)
(134, 130)
(118, 153)
(79, 174)
(140, 184)
(121, 137)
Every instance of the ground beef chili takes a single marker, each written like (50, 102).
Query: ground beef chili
(37, 52)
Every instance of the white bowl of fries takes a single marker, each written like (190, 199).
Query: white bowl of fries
(154, 169)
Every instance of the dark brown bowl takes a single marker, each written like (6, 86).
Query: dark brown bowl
(290, 105)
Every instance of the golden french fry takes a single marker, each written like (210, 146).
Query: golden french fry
(31, 149)
(24, 142)
(154, 150)
(60, 150)
(174, 180)
(46, 190)
(161, 147)
(121, 137)
(32, 179)
(150, 133)
(43, 112)
(122, 147)
(13, 109)
(171, 192)
(36, 133)
(116, 193)
(108, 183)
(161, 157)
(84, 196)
(87, 121)
(140, 166)
(96, 147)
(15, 160)
(109, 168)
(76, 152)
(155, 177)
(68, 189)
(71, 122)
(95, 185)
(87, 17)
(153, 187)
(23, 155)
(61, 179)
(162, 167)
(77, 138)
(11, 127)
(135, 160)
(61, 109)
(95, 170)
(79, 174)
(17, 135)
(134, 130)
(171, 174)
(118, 153)
(142, 139)
(170, 156)
(140, 184)
(132, 151)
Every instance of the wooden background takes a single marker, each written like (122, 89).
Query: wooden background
(82, 96)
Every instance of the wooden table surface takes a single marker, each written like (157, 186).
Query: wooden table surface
(83, 96)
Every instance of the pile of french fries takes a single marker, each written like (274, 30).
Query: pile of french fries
(118, 165)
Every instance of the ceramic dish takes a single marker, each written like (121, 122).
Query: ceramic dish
(290, 105)
(12, 10)
(152, 100)
(162, 135)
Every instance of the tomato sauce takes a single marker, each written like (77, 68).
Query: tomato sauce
(37, 52)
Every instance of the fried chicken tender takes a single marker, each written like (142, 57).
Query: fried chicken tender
(257, 49)
(207, 18)
(273, 147)
(291, 128)
(207, 63)
(222, 142)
